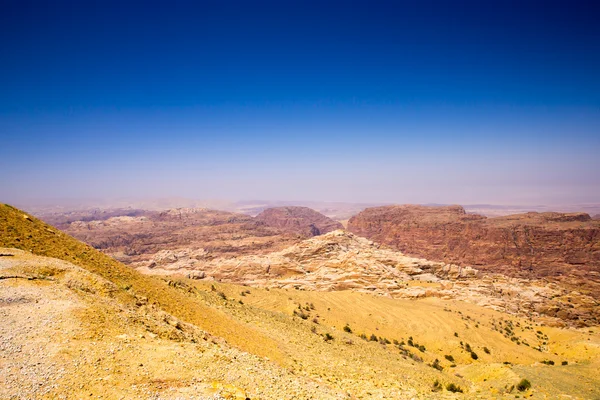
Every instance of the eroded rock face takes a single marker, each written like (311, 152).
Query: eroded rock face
(160, 235)
(558, 245)
(301, 220)
(340, 260)
(337, 260)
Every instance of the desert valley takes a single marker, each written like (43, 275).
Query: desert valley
(405, 302)
(290, 200)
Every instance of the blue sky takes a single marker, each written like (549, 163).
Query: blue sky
(424, 102)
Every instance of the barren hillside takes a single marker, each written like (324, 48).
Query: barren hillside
(117, 333)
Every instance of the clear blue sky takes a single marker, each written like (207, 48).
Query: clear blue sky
(417, 101)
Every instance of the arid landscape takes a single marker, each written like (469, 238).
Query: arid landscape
(211, 304)
(290, 200)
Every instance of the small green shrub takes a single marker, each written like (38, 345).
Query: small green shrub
(451, 387)
(383, 340)
(437, 386)
(436, 365)
(327, 337)
(486, 350)
(373, 338)
(523, 385)
(347, 329)
(565, 363)
(449, 358)
(301, 314)
(474, 355)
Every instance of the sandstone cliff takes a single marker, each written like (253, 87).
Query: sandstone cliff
(302, 220)
(558, 245)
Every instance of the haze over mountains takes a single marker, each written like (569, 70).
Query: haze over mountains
(336, 210)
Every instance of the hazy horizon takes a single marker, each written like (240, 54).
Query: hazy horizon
(395, 102)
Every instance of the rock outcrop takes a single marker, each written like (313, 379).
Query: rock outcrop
(563, 246)
(337, 260)
(301, 220)
(209, 233)
(340, 260)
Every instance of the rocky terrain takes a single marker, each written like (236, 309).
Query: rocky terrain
(523, 263)
(135, 235)
(300, 220)
(563, 247)
(80, 324)
(342, 261)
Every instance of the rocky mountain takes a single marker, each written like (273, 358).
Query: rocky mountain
(301, 220)
(337, 260)
(136, 235)
(78, 323)
(561, 246)
(340, 261)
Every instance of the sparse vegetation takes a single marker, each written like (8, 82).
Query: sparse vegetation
(384, 341)
(436, 365)
(523, 385)
(300, 313)
(451, 387)
(218, 317)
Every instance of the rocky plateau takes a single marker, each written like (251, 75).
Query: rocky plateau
(562, 247)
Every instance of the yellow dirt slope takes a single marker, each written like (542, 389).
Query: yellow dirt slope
(22, 231)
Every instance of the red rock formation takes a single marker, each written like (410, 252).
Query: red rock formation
(217, 233)
(300, 220)
(558, 245)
